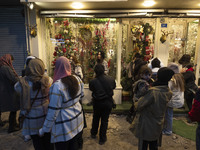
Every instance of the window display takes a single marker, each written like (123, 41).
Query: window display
(83, 38)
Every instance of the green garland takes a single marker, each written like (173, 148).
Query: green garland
(87, 20)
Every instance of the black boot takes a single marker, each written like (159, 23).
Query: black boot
(12, 123)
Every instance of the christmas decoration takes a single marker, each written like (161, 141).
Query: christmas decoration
(86, 32)
(141, 41)
(65, 42)
(32, 30)
(99, 44)
(163, 38)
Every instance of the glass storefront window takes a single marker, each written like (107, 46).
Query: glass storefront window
(183, 39)
(83, 38)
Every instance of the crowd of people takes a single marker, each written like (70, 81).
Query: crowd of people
(51, 112)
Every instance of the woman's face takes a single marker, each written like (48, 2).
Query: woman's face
(70, 59)
(146, 77)
(99, 55)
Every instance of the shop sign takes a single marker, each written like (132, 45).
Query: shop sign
(164, 25)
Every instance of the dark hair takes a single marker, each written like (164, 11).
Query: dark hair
(144, 69)
(185, 59)
(71, 85)
(138, 64)
(137, 55)
(155, 63)
(99, 69)
(102, 54)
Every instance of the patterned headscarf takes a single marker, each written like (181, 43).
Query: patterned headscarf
(62, 68)
(34, 72)
(6, 60)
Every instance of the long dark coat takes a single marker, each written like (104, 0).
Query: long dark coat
(9, 100)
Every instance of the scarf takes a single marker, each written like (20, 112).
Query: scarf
(62, 68)
(34, 73)
(7, 61)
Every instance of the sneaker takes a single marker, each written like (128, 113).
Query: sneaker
(27, 138)
(166, 133)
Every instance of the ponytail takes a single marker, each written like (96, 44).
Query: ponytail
(71, 84)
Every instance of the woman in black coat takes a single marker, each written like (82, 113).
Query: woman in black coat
(102, 87)
(9, 101)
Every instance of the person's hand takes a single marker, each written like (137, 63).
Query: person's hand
(41, 132)
(183, 70)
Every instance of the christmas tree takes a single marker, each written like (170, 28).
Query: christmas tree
(99, 44)
(65, 42)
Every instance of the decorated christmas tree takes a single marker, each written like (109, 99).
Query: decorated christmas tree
(99, 44)
(65, 42)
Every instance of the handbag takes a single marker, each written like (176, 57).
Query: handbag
(23, 116)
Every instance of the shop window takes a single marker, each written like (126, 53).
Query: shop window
(83, 38)
(183, 39)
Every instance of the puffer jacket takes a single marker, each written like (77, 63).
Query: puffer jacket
(151, 109)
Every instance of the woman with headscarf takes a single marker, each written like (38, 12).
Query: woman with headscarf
(65, 115)
(33, 89)
(9, 100)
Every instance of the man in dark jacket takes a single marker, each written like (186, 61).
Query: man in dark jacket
(9, 100)
(102, 91)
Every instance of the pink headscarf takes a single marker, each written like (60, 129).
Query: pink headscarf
(62, 68)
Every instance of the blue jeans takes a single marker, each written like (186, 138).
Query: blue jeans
(167, 128)
(198, 137)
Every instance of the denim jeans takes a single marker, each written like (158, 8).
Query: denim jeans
(198, 137)
(167, 128)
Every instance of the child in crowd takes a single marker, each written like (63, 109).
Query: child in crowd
(155, 65)
(194, 116)
(176, 85)
(140, 87)
(150, 108)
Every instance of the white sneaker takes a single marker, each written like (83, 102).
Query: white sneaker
(27, 138)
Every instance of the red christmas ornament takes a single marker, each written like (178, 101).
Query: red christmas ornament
(53, 63)
(60, 36)
(66, 23)
(64, 50)
(55, 54)
(56, 36)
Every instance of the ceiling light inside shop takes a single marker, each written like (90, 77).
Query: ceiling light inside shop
(77, 5)
(148, 3)
(192, 14)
